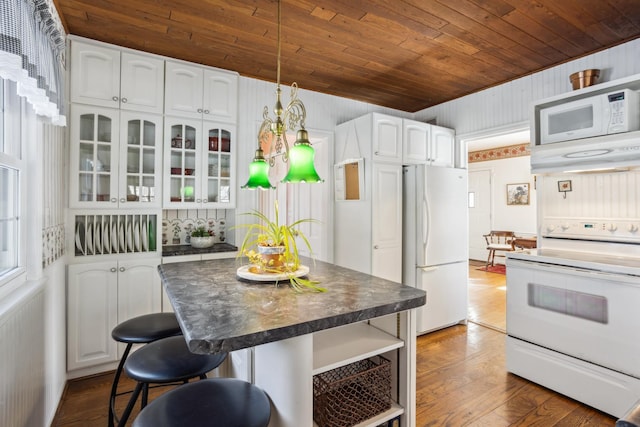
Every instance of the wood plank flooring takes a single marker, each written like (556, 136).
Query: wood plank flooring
(461, 378)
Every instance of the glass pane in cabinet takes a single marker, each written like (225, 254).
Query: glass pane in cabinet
(134, 189)
(87, 127)
(104, 128)
(176, 163)
(86, 187)
(133, 160)
(148, 161)
(133, 132)
(86, 157)
(103, 159)
(226, 141)
(176, 187)
(189, 138)
(103, 190)
(225, 191)
(214, 139)
(188, 190)
(225, 165)
(190, 163)
(149, 133)
(213, 165)
(148, 189)
(176, 136)
(212, 190)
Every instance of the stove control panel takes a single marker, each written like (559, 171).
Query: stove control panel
(606, 230)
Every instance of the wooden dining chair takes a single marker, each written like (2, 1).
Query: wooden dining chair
(498, 240)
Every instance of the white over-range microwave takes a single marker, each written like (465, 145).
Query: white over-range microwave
(597, 115)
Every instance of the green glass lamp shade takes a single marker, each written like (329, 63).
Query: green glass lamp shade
(258, 175)
(301, 167)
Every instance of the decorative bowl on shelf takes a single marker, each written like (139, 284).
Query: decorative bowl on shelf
(202, 242)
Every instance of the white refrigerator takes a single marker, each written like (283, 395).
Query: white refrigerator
(435, 242)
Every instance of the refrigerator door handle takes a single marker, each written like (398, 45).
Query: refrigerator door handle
(427, 268)
(425, 222)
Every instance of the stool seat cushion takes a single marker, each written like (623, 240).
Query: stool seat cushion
(169, 360)
(223, 402)
(147, 328)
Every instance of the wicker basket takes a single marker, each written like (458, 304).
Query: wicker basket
(350, 394)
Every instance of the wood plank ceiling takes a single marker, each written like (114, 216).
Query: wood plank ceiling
(403, 54)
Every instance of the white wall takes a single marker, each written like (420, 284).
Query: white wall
(518, 218)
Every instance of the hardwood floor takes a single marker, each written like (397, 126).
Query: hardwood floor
(461, 378)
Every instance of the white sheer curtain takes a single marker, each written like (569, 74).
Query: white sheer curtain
(32, 47)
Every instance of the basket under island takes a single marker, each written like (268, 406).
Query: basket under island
(294, 336)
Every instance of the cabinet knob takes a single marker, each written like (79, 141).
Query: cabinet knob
(113, 269)
(114, 200)
(121, 269)
(122, 200)
(115, 98)
(124, 100)
(199, 110)
(205, 200)
(206, 111)
(375, 246)
(376, 153)
(198, 200)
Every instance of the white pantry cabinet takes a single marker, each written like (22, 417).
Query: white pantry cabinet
(200, 93)
(101, 295)
(368, 230)
(110, 77)
(199, 164)
(386, 221)
(115, 158)
(387, 138)
(423, 143)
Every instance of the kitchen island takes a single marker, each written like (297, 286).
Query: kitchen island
(294, 336)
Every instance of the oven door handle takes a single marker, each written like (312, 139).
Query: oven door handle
(576, 271)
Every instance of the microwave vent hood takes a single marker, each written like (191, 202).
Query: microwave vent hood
(602, 152)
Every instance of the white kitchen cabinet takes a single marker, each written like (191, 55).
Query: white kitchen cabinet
(115, 158)
(199, 164)
(442, 146)
(110, 77)
(386, 222)
(416, 137)
(368, 230)
(387, 138)
(200, 93)
(101, 295)
(423, 143)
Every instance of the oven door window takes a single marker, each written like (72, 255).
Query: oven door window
(569, 302)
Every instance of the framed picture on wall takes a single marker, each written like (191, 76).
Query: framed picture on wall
(518, 194)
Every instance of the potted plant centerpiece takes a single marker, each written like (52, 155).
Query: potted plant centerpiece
(272, 248)
(202, 238)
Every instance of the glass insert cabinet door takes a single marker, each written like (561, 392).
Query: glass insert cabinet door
(140, 160)
(219, 165)
(94, 148)
(182, 157)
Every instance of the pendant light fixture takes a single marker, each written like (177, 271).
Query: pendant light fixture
(273, 133)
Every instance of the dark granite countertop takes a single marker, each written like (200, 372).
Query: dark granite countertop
(219, 312)
(177, 250)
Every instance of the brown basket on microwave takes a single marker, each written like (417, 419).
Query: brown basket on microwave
(353, 393)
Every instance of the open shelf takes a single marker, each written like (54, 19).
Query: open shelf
(340, 346)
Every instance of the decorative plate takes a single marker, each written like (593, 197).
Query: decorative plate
(244, 273)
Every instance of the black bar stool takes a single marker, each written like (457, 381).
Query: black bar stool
(139, 330)
(165, 361)
(222, 402)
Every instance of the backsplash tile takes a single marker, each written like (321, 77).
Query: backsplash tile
(177, 231)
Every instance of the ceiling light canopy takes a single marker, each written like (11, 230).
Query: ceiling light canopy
(273, 133)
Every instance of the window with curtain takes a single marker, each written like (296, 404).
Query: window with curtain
(32, 47)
